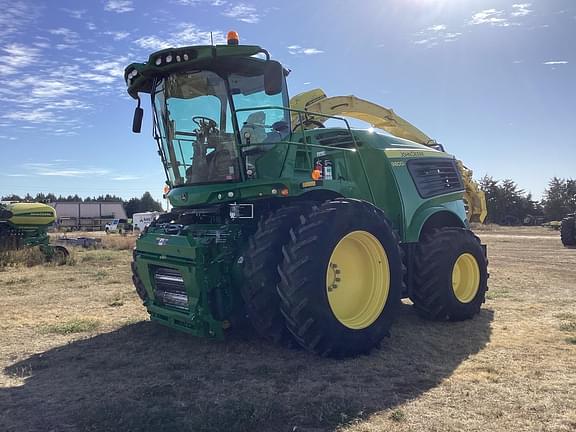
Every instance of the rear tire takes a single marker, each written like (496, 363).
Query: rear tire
(568, 231)
(341, 279)
(450, 275)
(261, 261)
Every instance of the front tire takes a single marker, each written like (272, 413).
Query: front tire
(451, 275)
(138, 284)
(568, 231)
(341, 279)
(261, 261)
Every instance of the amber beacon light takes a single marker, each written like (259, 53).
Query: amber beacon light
(233, 38)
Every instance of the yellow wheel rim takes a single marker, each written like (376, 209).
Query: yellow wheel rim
(465, 278)
(358, 280)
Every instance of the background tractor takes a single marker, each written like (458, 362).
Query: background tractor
(568, 230)
(311, 229)
(26, 225)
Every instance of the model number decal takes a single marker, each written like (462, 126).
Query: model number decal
(398, 163)
(408, 154)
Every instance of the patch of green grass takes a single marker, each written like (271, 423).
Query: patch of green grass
(566, 316)
(501, 293)
(17, 281)
(100, 274)
(116, 301)
(99, 256)
(398, 416)
(571, 340)
(568, 326)
(80, 325)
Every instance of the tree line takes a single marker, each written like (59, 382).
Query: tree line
(133, 205)
(508, 204)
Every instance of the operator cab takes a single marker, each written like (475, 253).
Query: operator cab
(208, 124)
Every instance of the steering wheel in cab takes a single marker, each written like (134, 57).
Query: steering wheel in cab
(206, 125)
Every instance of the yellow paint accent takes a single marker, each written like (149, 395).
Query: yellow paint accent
(308, 184)
(378, 116)
(466, 278)
(358, 280)
(415, 153)
(476, 207)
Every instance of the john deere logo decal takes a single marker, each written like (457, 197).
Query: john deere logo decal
(161, 241)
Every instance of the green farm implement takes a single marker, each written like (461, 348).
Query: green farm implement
(26, 225)
(313, 230)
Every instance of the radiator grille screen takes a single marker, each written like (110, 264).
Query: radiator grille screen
(435, 176)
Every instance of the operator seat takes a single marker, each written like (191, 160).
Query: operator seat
(253, 131)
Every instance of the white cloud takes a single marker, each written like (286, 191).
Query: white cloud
(61, 168)
(113, 68)
(125, 178)
(69, 36)
(119, 35)
(297, 49)
(521, 9)
(437, 28)
(74, 173)
(500, 18)
(198, 2)
(490, 16)
(17, 56)
(187, 34)
(556, 62)
(243, 12)
(119, 6)
(77, 14)
(33, 116)
(15, 16)
(435, 35)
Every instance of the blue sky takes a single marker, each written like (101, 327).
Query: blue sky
(494, 81)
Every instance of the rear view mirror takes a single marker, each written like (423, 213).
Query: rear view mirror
(137, 122)
(273, 77)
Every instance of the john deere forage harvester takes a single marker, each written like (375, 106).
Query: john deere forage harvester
(314, 231)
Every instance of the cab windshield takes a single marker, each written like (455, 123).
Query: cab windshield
(196, 123)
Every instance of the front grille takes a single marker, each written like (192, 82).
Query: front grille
(169, 288)
(434, 176)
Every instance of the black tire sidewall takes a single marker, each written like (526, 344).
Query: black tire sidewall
(568, 231)
(463, 244)
(353, 217)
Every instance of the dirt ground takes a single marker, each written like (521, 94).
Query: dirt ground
(78, 354)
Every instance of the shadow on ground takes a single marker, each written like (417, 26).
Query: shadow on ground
(144, 377)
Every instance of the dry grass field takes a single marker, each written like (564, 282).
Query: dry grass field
(78, 354)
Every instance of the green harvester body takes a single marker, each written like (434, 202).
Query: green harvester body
(189, 261)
